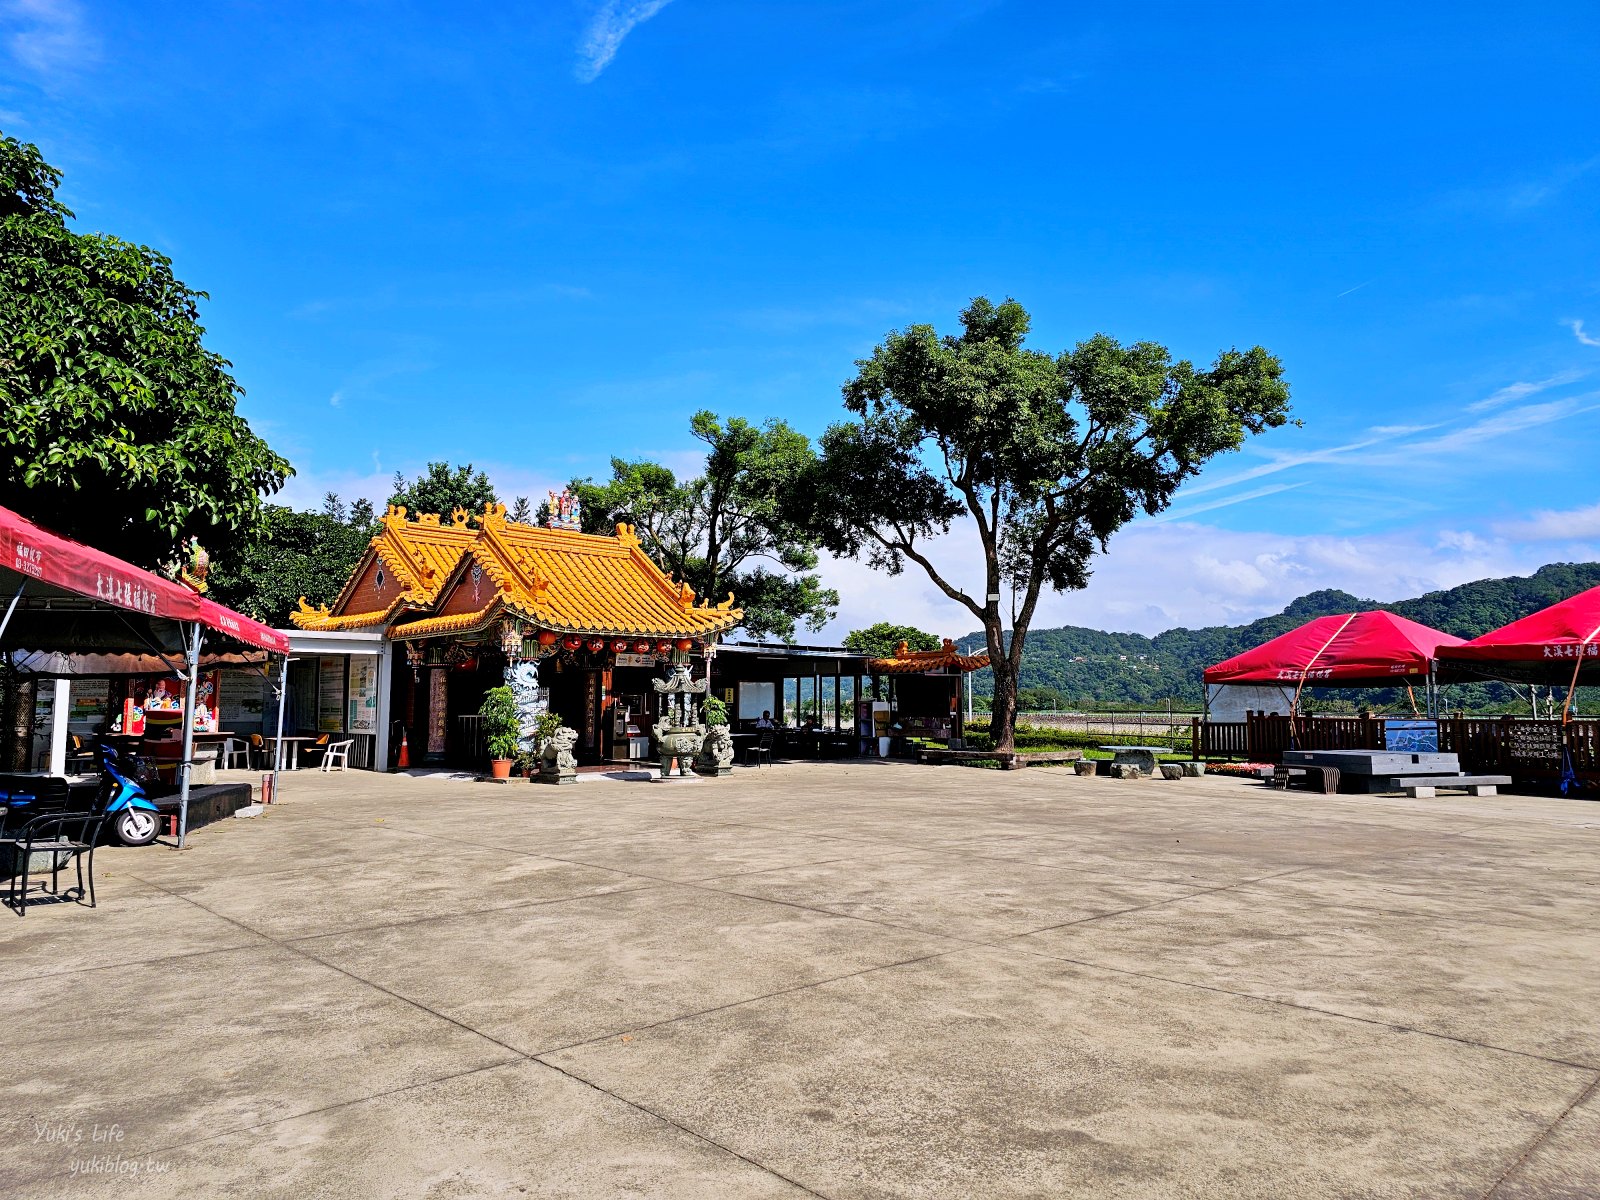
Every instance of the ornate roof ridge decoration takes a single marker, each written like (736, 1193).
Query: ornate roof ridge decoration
(906, 661)
(458, 623)
(559, 579)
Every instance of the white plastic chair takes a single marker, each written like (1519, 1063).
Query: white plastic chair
(233, 750)
(337, 750)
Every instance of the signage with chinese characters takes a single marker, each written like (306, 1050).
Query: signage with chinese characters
(363, 695)
(330, 695)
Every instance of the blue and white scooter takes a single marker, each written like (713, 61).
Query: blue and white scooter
(132, 815)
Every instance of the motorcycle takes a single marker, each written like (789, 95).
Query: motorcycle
(132, 815)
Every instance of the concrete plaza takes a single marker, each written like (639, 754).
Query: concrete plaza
(834, 979)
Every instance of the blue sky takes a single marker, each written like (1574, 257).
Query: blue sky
(536, 236)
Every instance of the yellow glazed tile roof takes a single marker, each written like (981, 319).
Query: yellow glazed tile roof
(554, 579)
(905, 660)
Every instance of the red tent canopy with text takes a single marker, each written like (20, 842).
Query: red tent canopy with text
(1548, 646)
(63, 596)
(1366, 649)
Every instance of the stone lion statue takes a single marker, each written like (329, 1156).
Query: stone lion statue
(557, 753)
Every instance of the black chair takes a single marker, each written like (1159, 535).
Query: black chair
(758, 749)
(64, 834)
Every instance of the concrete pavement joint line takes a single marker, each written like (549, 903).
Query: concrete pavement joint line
(1541, 1139)
(1586, 1068)
(700, 1137)
(1153, 904)
(539, 1055)
(143, 962)
(517, 906)
(520, 1054)
(334, 1107)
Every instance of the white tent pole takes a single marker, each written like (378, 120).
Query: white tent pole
(277, 746)
(12, 607)
(187, 765)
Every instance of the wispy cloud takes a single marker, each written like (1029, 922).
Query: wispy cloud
(1357, 288)
(604, 35)
(1521, 390)
(48, 37)
(1224, 501)
(1285, 462)
(1586, 338)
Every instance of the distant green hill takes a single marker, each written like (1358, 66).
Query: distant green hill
(1128, 670)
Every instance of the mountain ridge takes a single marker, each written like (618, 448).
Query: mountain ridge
(1092, 666)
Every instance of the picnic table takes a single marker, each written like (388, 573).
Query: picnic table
(292, 747)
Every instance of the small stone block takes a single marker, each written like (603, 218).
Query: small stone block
(1086, 766)
(249, 810)
(1483, 789)
(1126, 771)
(1193, 769)
(1422, 793)
(1171, 771)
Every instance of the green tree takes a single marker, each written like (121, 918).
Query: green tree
(441, 490)
(1047, 456)
(881, 640)
(120, 426)
(295, 554)
(726, 530)
(1040, 699)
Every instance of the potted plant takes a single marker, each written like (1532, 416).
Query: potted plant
(500, 727)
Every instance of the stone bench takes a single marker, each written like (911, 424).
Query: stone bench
(1473, 785)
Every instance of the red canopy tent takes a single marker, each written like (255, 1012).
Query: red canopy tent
(86, 610)
(1367, 649)
(1556, 645)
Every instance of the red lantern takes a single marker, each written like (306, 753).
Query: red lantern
(619, 645)
(572, 643)
(684, 644)
(597, 644)
(642, 647)
(663, 647)
(547, 637)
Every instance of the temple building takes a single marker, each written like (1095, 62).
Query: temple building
(458, 598)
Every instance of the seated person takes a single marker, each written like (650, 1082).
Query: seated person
(764, 722)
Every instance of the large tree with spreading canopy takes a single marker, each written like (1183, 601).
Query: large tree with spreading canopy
(119, 424)
(724, 530)
(1046, 455)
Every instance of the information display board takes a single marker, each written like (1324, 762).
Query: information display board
(363, 717)
(244, 697)
(330, 694)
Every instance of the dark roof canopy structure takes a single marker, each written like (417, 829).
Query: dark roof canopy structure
(1365, 649)
(1554, 646)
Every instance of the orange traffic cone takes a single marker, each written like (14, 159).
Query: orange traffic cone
(405, 754)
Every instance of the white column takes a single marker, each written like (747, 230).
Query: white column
(58, 727)
(380, 745)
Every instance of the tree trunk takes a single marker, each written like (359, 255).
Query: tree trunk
(1003, 712)
(19, 724)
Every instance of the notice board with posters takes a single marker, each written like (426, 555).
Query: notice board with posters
(330, 695)
(363, 717)
(242, 697)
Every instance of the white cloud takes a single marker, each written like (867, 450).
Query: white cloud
(49, 37)
(612, 23)
(1571, 525)
(1585, 338)
(1521, 390)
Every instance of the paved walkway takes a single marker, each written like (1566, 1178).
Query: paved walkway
(842, 980)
